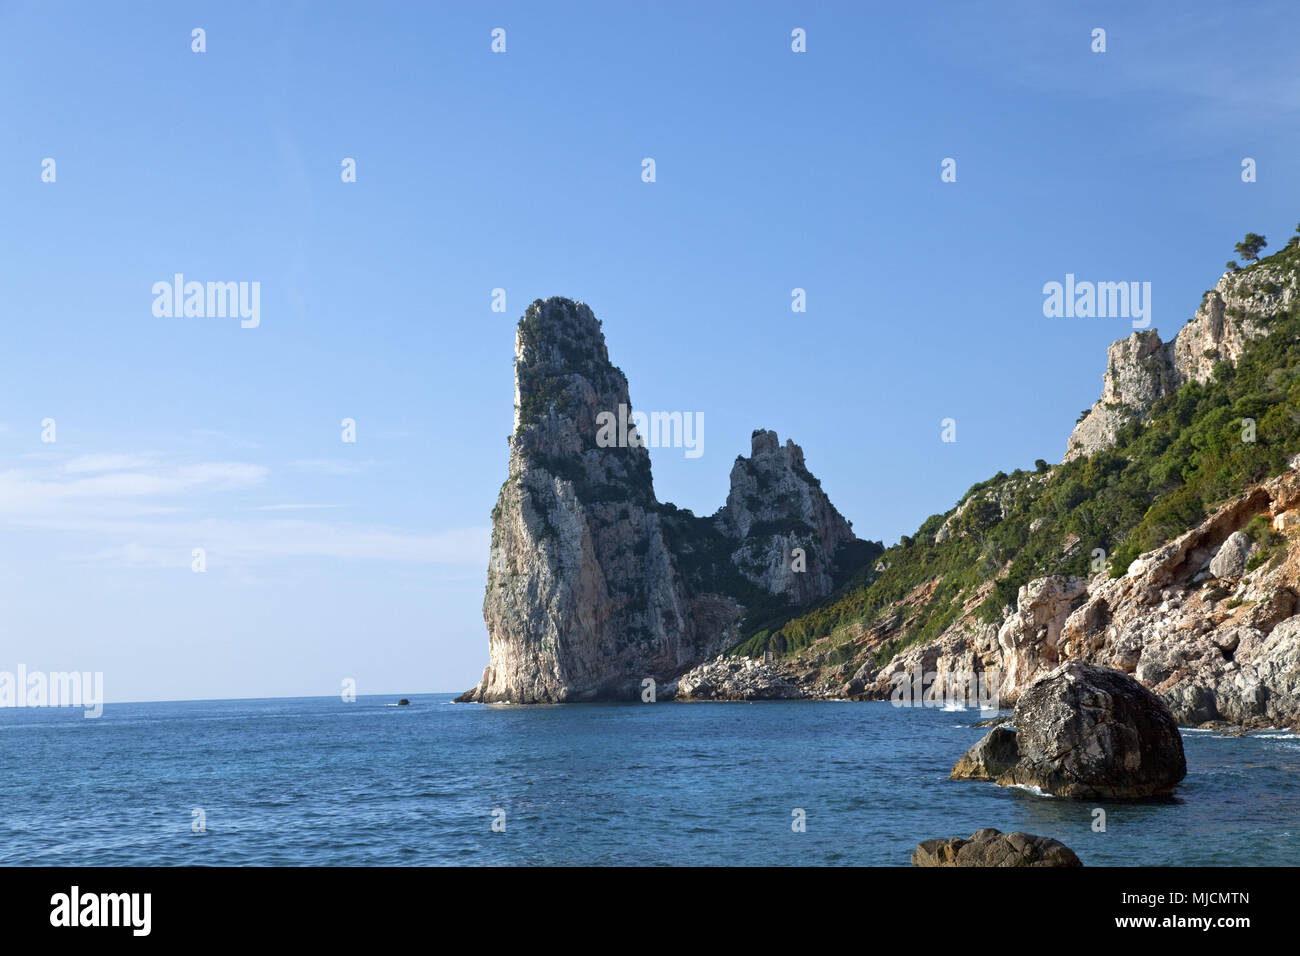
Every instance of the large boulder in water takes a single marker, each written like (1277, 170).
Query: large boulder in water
(990, 847)
(1095, 733)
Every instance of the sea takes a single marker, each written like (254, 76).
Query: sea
(321, 781)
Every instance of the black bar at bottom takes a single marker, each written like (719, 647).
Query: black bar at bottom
(609, 908)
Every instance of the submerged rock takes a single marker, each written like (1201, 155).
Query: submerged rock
(990, 847)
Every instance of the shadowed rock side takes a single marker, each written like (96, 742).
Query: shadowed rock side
(593, 585)
(990, 847)
(995, 754)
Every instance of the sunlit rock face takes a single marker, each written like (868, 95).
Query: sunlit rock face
(593, 585)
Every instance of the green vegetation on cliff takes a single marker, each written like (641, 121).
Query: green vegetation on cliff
(1160, 478)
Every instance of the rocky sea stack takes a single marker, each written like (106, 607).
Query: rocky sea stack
(595, 586)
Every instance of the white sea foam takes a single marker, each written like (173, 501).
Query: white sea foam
(1030, 788)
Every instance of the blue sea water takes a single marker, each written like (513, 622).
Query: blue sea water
(319, 781)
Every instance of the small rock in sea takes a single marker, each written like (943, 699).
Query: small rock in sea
(990, 847)
(1224, 728)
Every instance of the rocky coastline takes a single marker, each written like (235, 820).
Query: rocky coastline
(597, 590)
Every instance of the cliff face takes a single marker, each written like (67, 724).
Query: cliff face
(1207, 621)
(789, 532)
(1017, 579)
(1198, 621)
(593, 585)
(1141, 369)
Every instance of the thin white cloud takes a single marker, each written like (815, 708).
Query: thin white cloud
(293, 507)
(109, 462)
(1158, 57)
(27, 492)
(244, 543)
(141, 511)
(332, 466)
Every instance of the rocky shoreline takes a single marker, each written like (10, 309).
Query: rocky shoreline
(1217, 639)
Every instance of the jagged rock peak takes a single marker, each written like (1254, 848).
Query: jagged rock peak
(560, 334)
(765, 442)
(774, 507)
(583, 599)
(564, 381)
(1141, 368)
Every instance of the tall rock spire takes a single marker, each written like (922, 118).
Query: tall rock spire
(593, 585)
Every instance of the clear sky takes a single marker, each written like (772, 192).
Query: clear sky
(523, 171)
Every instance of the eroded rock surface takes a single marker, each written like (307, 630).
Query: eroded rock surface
(1087, 732)
(995, 754)
(990, 847)
(736, 678)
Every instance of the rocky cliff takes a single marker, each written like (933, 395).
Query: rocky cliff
(1141, 369)
(1166, 546)
(787, 530)
(593, 585)
(1207, 621)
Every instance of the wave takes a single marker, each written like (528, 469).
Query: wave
(1030, 788)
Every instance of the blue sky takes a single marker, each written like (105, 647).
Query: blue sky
(329, 560)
